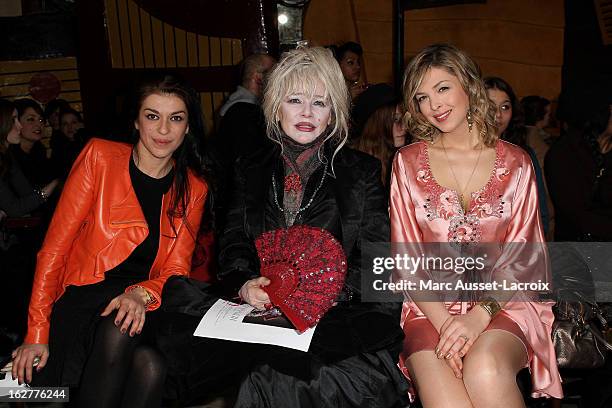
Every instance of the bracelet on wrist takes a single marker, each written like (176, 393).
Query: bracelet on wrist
(149, 300)
(491, 306)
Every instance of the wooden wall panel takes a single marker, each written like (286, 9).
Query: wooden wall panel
(510, 39)
(329, 22)
(138, 40)
(15, 78)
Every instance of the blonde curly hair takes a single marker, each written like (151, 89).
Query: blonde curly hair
(459, 64)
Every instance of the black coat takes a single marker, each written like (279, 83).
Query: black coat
(352, 206)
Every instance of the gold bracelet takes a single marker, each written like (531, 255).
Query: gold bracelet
(490, 305)
(149, 300)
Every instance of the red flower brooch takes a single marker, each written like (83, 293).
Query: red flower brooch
(306, 267)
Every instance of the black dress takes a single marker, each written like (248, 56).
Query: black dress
(76, 313)
(352, 358)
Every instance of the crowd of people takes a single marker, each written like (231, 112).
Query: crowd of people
(454, 159)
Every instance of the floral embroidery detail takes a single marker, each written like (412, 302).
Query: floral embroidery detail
(444, 203)
(464, 229)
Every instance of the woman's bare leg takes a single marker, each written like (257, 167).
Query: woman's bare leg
(435, 382)
(490, 369)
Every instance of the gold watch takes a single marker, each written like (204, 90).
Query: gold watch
(490, 305)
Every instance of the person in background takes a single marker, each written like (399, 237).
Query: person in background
(30, 152)
(510, 127)
(349, 55)
(241, 127)
(126, 221)
(67, 143)
(461, 185)
(17, 196)
(377, 114)
(537, 113)
(579, 169)
(52, 113)
(18, 201)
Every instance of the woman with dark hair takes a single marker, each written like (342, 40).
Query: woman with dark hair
(126, 221)
(510, 127)
(349, 56)
(31, 154)
(17, 196)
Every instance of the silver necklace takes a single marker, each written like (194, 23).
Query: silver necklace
(304, 208)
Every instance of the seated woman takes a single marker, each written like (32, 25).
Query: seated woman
(461, 185)
(17, 196)
(125, 222)
(307, 179)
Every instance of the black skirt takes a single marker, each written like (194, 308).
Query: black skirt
(267, 376)
(74, 320)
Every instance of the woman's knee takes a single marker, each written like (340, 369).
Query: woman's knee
(148, 361)
(483, 369)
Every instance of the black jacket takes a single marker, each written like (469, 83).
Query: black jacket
(351, 205)
(581, 210)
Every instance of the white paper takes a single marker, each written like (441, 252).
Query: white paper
(224, 320)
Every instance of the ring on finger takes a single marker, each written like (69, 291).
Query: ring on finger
(464, 337)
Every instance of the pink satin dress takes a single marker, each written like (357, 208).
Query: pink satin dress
(505, 210)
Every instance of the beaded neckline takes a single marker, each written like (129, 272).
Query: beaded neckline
(305, 207)
(473, 194)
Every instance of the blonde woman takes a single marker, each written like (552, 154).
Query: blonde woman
(310, 179)
(459, 184)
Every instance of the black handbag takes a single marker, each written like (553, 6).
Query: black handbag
(577, 333)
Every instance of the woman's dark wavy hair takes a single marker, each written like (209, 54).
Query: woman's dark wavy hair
(346, 47)
(6, 124)
(516, 132)
(24, 103)
(189, 155)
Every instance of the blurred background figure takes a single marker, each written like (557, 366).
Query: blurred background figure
(30, 153)
(241, 127)
(510, 127)
(68, 142)
(578, 169)
(19, 231)
(52, 113)
(349, 55)
(377, 119)
(537, 114)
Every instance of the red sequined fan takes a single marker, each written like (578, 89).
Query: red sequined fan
(306, 267)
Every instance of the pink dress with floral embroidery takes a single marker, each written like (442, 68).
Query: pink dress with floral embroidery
(505, 210)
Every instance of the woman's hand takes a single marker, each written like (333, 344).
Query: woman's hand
(130, 308)
(456, 364)
(459, 332)
(24, 358)
(252, 292)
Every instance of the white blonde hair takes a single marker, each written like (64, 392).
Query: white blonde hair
(298, 71)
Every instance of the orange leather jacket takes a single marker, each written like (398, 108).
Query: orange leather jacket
(98, 222)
